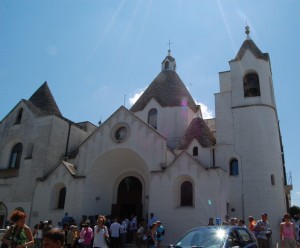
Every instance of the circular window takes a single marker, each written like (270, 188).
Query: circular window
(120, 133)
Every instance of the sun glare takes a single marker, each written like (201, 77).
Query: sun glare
(220, 233)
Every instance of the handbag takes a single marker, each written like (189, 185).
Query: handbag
(107, 241)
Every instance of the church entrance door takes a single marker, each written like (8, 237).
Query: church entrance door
(129, 199)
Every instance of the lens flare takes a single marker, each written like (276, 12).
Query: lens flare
(220, 233)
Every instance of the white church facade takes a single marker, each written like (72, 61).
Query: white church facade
(159, 156)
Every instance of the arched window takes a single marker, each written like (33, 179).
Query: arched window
(62, 198)
(251, 85)
(234, 167)
(15, 157)
(272, 180)
(195, 151)
(152, 118)
(167, 65)
(19, 116)
(186, 194)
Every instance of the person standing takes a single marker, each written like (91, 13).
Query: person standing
(241, 223)
(297, 226)
(65, 219)
(287, 233)
(87, 235)
(210, 222)
(263, 232)
(18, 235)
(151, 220)
(100, 233)
(132, 228)
(152, 242)
(114, 229)
(71, 237)
(140, 234)
(160, 232)
(123, 232)
(38, 236)
(226, 222)
(251, 224)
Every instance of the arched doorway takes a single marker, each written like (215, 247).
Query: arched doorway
(129, 198)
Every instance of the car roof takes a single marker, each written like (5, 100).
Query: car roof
(225, 227)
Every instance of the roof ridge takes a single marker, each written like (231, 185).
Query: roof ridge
(250, 44)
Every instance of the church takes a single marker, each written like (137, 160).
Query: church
(160, 156)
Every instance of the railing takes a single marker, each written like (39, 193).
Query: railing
(8, 173)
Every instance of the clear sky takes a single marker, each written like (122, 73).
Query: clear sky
(97, 55)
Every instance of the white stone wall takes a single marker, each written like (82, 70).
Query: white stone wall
(171, 121)
(209, 196)
(204, 154)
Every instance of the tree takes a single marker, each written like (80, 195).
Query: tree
(294, 210)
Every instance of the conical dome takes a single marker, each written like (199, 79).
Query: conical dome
(168, 90)
(197, 130)
(44, 101)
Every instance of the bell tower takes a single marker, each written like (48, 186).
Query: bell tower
(248, 133)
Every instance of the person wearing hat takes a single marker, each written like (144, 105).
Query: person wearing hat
(263, 232)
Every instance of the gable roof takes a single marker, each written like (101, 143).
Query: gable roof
(72, 169)
(168, 90)
(117, 112)
(169, 57)
(44, 101)
(197, 130)
(249, 44)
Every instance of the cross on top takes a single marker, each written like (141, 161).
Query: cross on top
(170, 43)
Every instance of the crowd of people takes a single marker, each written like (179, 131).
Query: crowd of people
(289, 229)
(92, 232)
(105, 232)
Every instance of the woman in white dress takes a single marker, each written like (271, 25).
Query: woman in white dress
(100, 233)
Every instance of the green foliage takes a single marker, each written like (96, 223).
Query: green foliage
(294, 210)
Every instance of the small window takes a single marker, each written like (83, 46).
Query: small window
(152, 118)
(19, 116)
(167, 65)
(29, 151)
(186, 194)
(15, 157)
(62, 198)
(272, 180)
(234, 167)
(251, 85)
(195, 151)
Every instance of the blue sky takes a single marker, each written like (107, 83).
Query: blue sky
(97, 55)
